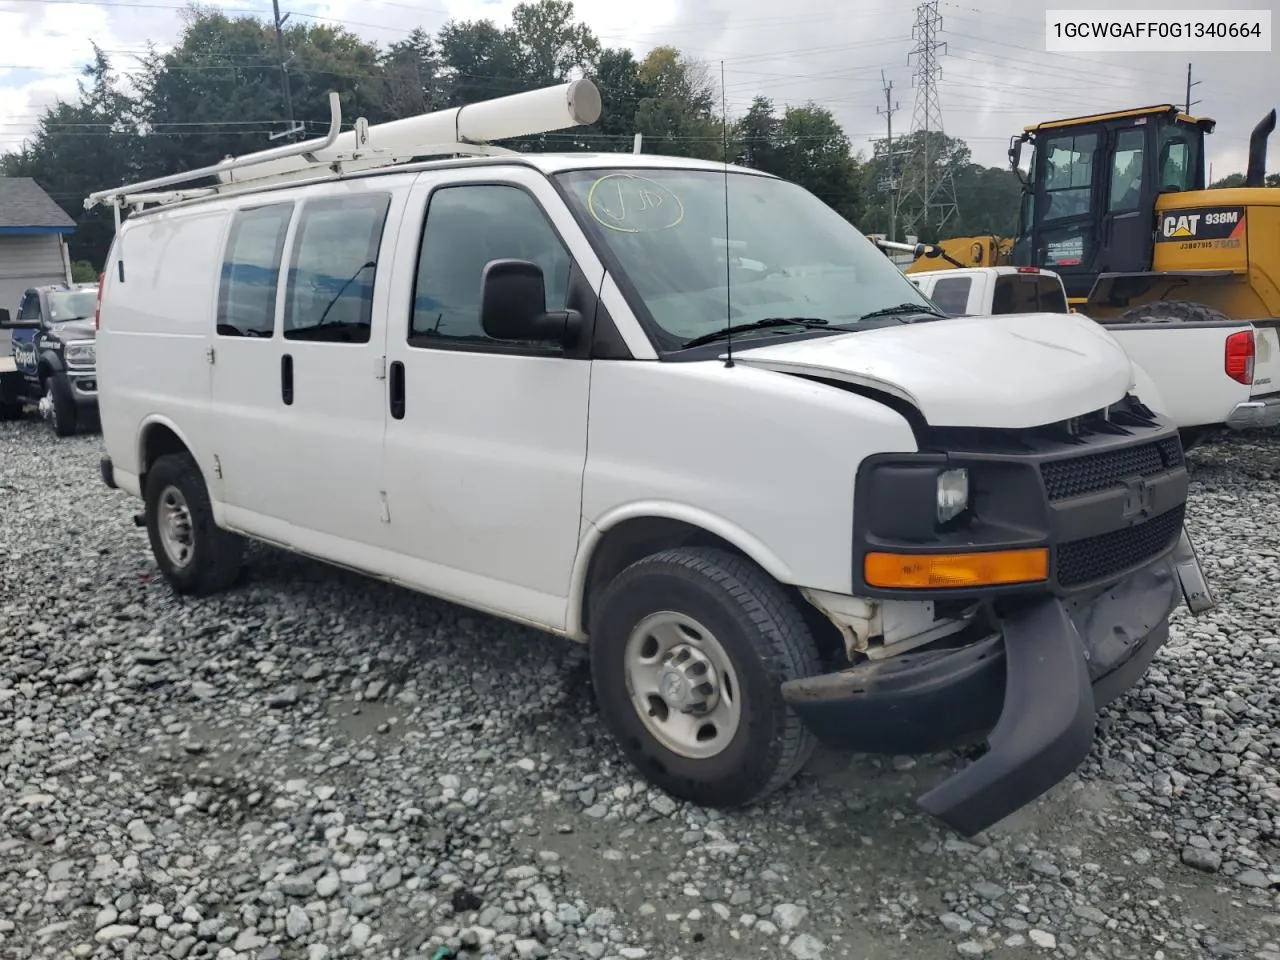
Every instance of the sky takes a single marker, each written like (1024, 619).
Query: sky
(996, 76)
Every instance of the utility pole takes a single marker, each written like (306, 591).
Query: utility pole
(890, 182)
(1190, 103)
(292, 128)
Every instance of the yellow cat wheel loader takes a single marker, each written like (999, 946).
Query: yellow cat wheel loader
(1116, 204)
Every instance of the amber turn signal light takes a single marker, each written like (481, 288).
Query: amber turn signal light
(941, 570)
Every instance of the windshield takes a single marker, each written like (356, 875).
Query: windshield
(72, 305)
(790, 255)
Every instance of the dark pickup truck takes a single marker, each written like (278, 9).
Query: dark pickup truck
(52, 364)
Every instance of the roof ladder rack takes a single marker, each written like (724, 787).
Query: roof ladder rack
(466, 131)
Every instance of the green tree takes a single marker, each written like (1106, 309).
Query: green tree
(617, 75)
(411, 81)
(80, 148)
(220, 91)
(813, 151)
(1237, 180)
(549, 45)
(479, 62)
(677, 115)
(756, 133)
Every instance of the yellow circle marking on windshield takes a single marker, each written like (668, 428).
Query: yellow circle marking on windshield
(633, 204)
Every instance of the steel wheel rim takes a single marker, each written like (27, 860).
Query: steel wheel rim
(173, 520)
(49, 409)
(682, 685)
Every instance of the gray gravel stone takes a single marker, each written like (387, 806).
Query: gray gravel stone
(432, 777)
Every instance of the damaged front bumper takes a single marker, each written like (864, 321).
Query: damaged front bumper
(1032, 690)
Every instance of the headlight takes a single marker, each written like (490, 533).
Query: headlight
(953, 494)
(81, 352)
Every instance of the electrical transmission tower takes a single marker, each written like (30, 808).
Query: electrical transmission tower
(928, 195)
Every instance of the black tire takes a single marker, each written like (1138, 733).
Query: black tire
(766, 641)
(1172, 311)
(1192, 436)
(64, 416)
(216, 555)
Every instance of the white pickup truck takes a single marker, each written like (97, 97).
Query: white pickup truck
(1201, 375)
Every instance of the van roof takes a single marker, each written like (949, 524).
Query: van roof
(547, 163)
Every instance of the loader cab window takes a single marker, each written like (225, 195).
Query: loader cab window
(1068, 175)
(1126, 171)
(1179, 158)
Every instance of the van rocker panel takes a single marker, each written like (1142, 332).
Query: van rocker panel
(1033, 689)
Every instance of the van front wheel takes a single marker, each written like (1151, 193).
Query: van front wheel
(689, 650)
(194, 554)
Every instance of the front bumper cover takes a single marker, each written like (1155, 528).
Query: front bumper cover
(1033, 690)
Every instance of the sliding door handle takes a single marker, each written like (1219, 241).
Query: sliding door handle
(395, 389)
(286, 379)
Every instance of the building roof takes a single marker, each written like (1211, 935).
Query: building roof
(25, 208)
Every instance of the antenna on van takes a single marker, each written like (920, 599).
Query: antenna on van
(728, 266)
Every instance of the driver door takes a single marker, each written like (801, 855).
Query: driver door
(1067, 203)
(24, 341)
(486, 441)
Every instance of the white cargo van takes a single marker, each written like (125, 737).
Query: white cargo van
(730, 449)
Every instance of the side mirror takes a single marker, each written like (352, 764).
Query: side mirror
(1015, 154)
(8, 323)
(513, 305)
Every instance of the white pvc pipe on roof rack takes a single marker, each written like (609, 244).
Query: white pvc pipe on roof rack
(571, 104)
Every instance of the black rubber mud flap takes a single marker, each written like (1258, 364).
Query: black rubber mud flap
(1045, 729)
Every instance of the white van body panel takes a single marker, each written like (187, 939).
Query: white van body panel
(155, 364)
(740, 451)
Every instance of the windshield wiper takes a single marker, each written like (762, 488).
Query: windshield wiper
(903, 308)
(726, 332)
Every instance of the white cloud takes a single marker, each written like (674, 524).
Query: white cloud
(996, 77)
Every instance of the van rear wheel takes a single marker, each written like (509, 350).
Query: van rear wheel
(689, 650)
(193, 553)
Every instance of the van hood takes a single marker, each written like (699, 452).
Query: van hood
(1008, 371)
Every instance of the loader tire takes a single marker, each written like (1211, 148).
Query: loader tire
(1172, 311)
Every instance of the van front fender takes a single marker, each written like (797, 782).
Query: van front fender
(594, 533)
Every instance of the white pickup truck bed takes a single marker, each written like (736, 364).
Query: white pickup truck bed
(1200, 374)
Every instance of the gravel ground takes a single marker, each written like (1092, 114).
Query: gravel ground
(315, 765)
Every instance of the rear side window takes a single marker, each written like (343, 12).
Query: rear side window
(332, 269)
(251, 271)
(1028, 294)
(951, 294)
(1053, 299)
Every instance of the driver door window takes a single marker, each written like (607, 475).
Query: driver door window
(1126, 172)
(30, 307)
(1068, 180)
(466, 227)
